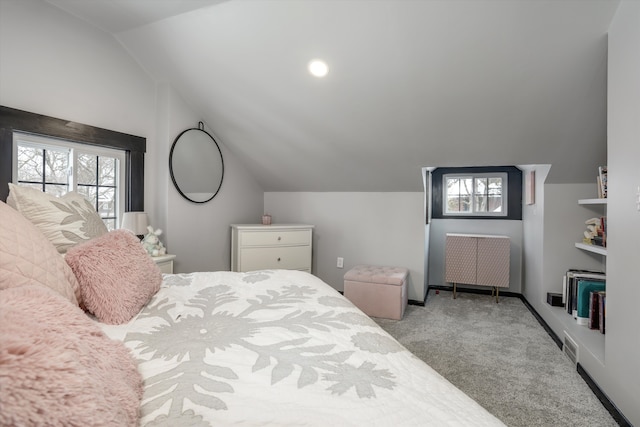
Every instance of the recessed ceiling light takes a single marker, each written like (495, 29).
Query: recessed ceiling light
(318, 68)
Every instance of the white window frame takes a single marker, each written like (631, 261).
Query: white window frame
(43, 142)
(504, 196)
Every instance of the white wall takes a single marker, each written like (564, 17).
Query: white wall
(533, 241)
(622, 345)
(54, 64)
(199, 234)
(363, 228)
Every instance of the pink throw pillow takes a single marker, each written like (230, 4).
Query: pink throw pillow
(28, 257)
(57, 367)
(117, 277)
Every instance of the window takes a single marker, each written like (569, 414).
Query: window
(475, 194)
(479, 192)
(14, 121)
(57, 167)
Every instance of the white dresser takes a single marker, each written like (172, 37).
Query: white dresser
(262, 247)
(165, 262)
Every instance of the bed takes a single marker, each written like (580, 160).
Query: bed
(126, 345)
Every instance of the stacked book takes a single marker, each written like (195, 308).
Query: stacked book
(602, 182)
(597, 304)
(584, 297)
(596, 233)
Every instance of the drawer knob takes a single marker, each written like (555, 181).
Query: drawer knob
(279, 238)
(278, 259)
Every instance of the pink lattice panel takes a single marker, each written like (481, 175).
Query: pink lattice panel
(493, 262)
(460, 259)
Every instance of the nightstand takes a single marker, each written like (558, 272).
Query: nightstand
(165, 262)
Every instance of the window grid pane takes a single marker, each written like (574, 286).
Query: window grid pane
(107, 171)
(480, 195)
(30, 161)
(87, 168)
(107, 202)
(96, 181)
(453, 195)
(480, 203)
(56, 166)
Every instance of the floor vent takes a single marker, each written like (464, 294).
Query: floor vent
(570, 348)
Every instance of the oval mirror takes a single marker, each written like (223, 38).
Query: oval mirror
(196, 165)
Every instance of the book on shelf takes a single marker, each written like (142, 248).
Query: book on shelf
(602, 182)
(602, 301)
(596, 233)
(596, 313)
(570, 287)
(594, 306)
(584, 290)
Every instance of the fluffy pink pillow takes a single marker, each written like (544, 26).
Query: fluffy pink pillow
(117, 277)
(58, 368)
(27, 257)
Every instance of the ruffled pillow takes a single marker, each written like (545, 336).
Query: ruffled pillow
(116, 275)
(57, 367)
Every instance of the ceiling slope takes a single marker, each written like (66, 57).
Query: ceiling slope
(410, 84)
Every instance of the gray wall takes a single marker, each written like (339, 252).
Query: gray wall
(363, 228)
(622, 345)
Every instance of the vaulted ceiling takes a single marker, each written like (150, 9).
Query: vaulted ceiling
(411, 83)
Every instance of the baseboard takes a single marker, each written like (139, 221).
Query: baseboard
(608, 404)
(471, 290)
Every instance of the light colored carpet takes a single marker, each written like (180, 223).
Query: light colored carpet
(500, 356)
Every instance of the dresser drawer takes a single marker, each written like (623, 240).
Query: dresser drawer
(164, 262)
(275, 238)
(288, 258)
(166, 267)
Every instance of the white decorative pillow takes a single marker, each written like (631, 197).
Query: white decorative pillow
(65, 221)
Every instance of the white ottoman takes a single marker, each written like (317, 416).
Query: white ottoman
(377, 291)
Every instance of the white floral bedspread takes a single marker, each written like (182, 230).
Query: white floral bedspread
(279, 348)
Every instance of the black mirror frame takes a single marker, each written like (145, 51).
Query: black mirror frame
(173, 179)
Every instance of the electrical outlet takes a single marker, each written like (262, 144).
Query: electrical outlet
(340, 263)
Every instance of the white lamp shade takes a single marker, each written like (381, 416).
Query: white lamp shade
(136, 222)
